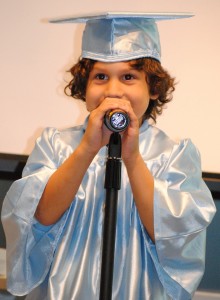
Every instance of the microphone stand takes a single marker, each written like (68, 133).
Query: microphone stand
(112, 185)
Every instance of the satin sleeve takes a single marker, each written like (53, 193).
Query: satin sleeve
(183, 208)
(26, 238)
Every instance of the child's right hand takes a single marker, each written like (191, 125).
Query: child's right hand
(97, 134)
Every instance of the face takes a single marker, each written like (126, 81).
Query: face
(118, 80)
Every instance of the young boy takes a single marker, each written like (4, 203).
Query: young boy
(53, 216)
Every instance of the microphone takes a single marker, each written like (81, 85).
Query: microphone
(116, 120)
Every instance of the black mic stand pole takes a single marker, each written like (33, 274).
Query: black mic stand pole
(112, 185)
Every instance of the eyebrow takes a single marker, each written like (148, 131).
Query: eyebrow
(125, 69)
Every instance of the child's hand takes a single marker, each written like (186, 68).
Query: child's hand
(130, 138)
(97, 135)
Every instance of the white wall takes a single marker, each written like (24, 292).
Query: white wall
(34, 56)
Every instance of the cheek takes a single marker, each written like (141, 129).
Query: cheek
(140, 105)
(89, 103)
(92, 99)
(89, 97)
(146, 100)
(142, 108)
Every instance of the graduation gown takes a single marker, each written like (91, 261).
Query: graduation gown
(63, 261)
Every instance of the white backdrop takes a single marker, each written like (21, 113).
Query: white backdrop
(35, 56)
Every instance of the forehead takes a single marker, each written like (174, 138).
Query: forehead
(124, 65)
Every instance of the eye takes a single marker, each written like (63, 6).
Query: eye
(128, 77)
(101, 76)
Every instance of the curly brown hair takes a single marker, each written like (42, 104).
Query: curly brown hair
(159, 80)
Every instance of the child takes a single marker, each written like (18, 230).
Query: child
(53, 216)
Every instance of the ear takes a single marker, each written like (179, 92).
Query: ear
(154, 97)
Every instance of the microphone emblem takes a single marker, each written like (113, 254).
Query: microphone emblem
(116, 121)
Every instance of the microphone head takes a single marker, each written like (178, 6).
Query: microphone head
(116, 120)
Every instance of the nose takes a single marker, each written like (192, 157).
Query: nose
(114, 89)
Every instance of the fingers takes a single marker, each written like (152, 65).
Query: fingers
(115, 104)
(97, 135)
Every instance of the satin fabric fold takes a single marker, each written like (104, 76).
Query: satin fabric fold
(63, 261)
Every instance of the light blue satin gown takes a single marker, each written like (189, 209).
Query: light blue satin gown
(63, 261)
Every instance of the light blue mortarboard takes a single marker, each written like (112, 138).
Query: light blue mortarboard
(113, 36)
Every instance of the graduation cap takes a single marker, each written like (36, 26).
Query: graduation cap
(118, 36)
